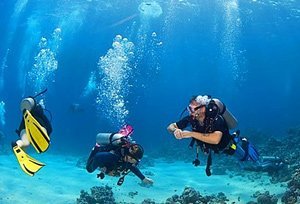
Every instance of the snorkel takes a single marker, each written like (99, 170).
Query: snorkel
(38, 94)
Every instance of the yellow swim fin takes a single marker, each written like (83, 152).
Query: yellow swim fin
(29, 165)
(37, 134)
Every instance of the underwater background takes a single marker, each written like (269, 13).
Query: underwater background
(107, 63)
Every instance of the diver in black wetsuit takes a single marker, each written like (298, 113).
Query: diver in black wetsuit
(210, 131)
(37, 111)
(117, 160)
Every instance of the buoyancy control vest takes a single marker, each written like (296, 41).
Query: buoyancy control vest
(229, 118)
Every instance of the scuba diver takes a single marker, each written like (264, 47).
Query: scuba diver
(267, 164)
(76, 108)
(116, 154)
(34, 129)
(210, 121)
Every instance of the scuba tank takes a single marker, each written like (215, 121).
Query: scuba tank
(109, 138)
(214, 106)
(115, 138)
(30, 102)
(227, 115)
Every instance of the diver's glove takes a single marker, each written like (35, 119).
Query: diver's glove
(251, 152)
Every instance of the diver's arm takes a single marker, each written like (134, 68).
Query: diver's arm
(172, 127)
(210, 138)
(179, 125)
(137, 172)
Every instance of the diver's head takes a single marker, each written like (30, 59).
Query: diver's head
(27, 104)
(135, 153)
(197, 106)
(202, 100)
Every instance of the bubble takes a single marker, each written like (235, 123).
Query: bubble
(45, 63)
(116, 45)
(91, 85)
(2, 68)
(150, 9)
(57, 30)
(125, 40)
(43, 42)
(129, 46)
(113, 84)
(118, 38)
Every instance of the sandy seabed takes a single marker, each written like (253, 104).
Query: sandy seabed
(60, 182)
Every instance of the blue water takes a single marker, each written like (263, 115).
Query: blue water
(247, 53)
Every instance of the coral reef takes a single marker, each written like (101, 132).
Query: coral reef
(265, 198)
(99, 194)
(288, 149)
(148, 201)
(292, 195)
(190, 195)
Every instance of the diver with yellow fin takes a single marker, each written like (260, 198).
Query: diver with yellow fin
(34, 129)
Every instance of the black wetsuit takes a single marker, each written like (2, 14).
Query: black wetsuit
(111, 161)
(209, 126)
(38, 113)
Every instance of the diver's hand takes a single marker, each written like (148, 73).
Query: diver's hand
(186, 134)
(178, 134)
(148, 181)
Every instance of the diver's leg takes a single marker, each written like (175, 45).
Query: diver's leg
(100, 160)
(91, 158)
(239, 152)
(23, 142)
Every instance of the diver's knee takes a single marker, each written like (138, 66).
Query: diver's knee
(89, 166)
(89, 169)
(24, 142)
(19, 143)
